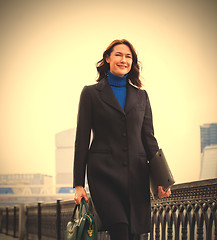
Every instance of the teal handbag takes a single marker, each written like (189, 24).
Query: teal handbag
(82, 228)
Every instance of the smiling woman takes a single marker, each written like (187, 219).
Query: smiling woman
(123, 143)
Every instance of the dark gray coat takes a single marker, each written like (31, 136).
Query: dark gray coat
(117, 159)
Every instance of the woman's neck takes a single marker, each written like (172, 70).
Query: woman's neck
(115, 80)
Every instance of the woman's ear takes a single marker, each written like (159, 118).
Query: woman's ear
(107, 59)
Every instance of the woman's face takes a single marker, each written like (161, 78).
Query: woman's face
(120, 60)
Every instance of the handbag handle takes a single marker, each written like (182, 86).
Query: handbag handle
(83, 202)
(80, 209)
(73, 214)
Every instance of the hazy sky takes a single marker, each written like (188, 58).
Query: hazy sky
(48, 52)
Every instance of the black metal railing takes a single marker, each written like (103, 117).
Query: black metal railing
(9, 221)
(189, 213)
(186, 220)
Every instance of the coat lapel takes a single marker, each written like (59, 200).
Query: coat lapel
(108, 96)
(132, 98)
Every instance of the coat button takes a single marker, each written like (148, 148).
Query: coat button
(124, 134)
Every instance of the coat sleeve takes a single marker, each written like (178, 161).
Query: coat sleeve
(148, 138)
(82, 139)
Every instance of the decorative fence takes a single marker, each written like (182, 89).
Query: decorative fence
(9, 221)
(189, 213)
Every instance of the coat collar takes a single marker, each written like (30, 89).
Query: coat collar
(108, 96)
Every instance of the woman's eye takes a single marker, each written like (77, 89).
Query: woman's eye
(119, 55)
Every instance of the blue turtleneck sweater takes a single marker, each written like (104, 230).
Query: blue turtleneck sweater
(118, 85)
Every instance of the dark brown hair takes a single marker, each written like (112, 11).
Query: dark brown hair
(103, 67)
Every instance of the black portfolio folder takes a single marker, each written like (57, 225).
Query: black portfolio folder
(160, 174)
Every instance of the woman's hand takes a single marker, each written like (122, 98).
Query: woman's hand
(162, 193)
(79, 194)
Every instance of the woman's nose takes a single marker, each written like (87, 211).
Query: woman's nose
(123, 59)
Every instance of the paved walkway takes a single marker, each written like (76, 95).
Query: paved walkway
(6, 237)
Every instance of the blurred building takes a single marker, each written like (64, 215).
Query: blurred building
(26, 184)
(208, 134)
(25, 188)
(64, 162)
(209, 163)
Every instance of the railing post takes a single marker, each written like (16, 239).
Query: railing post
(39, 221)
(22, 222)
(0, 220)
(157, 226)
(6, 221)
(169, 219)
(58, 220)
(199, 219)
(214, 213)
(15, 222)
